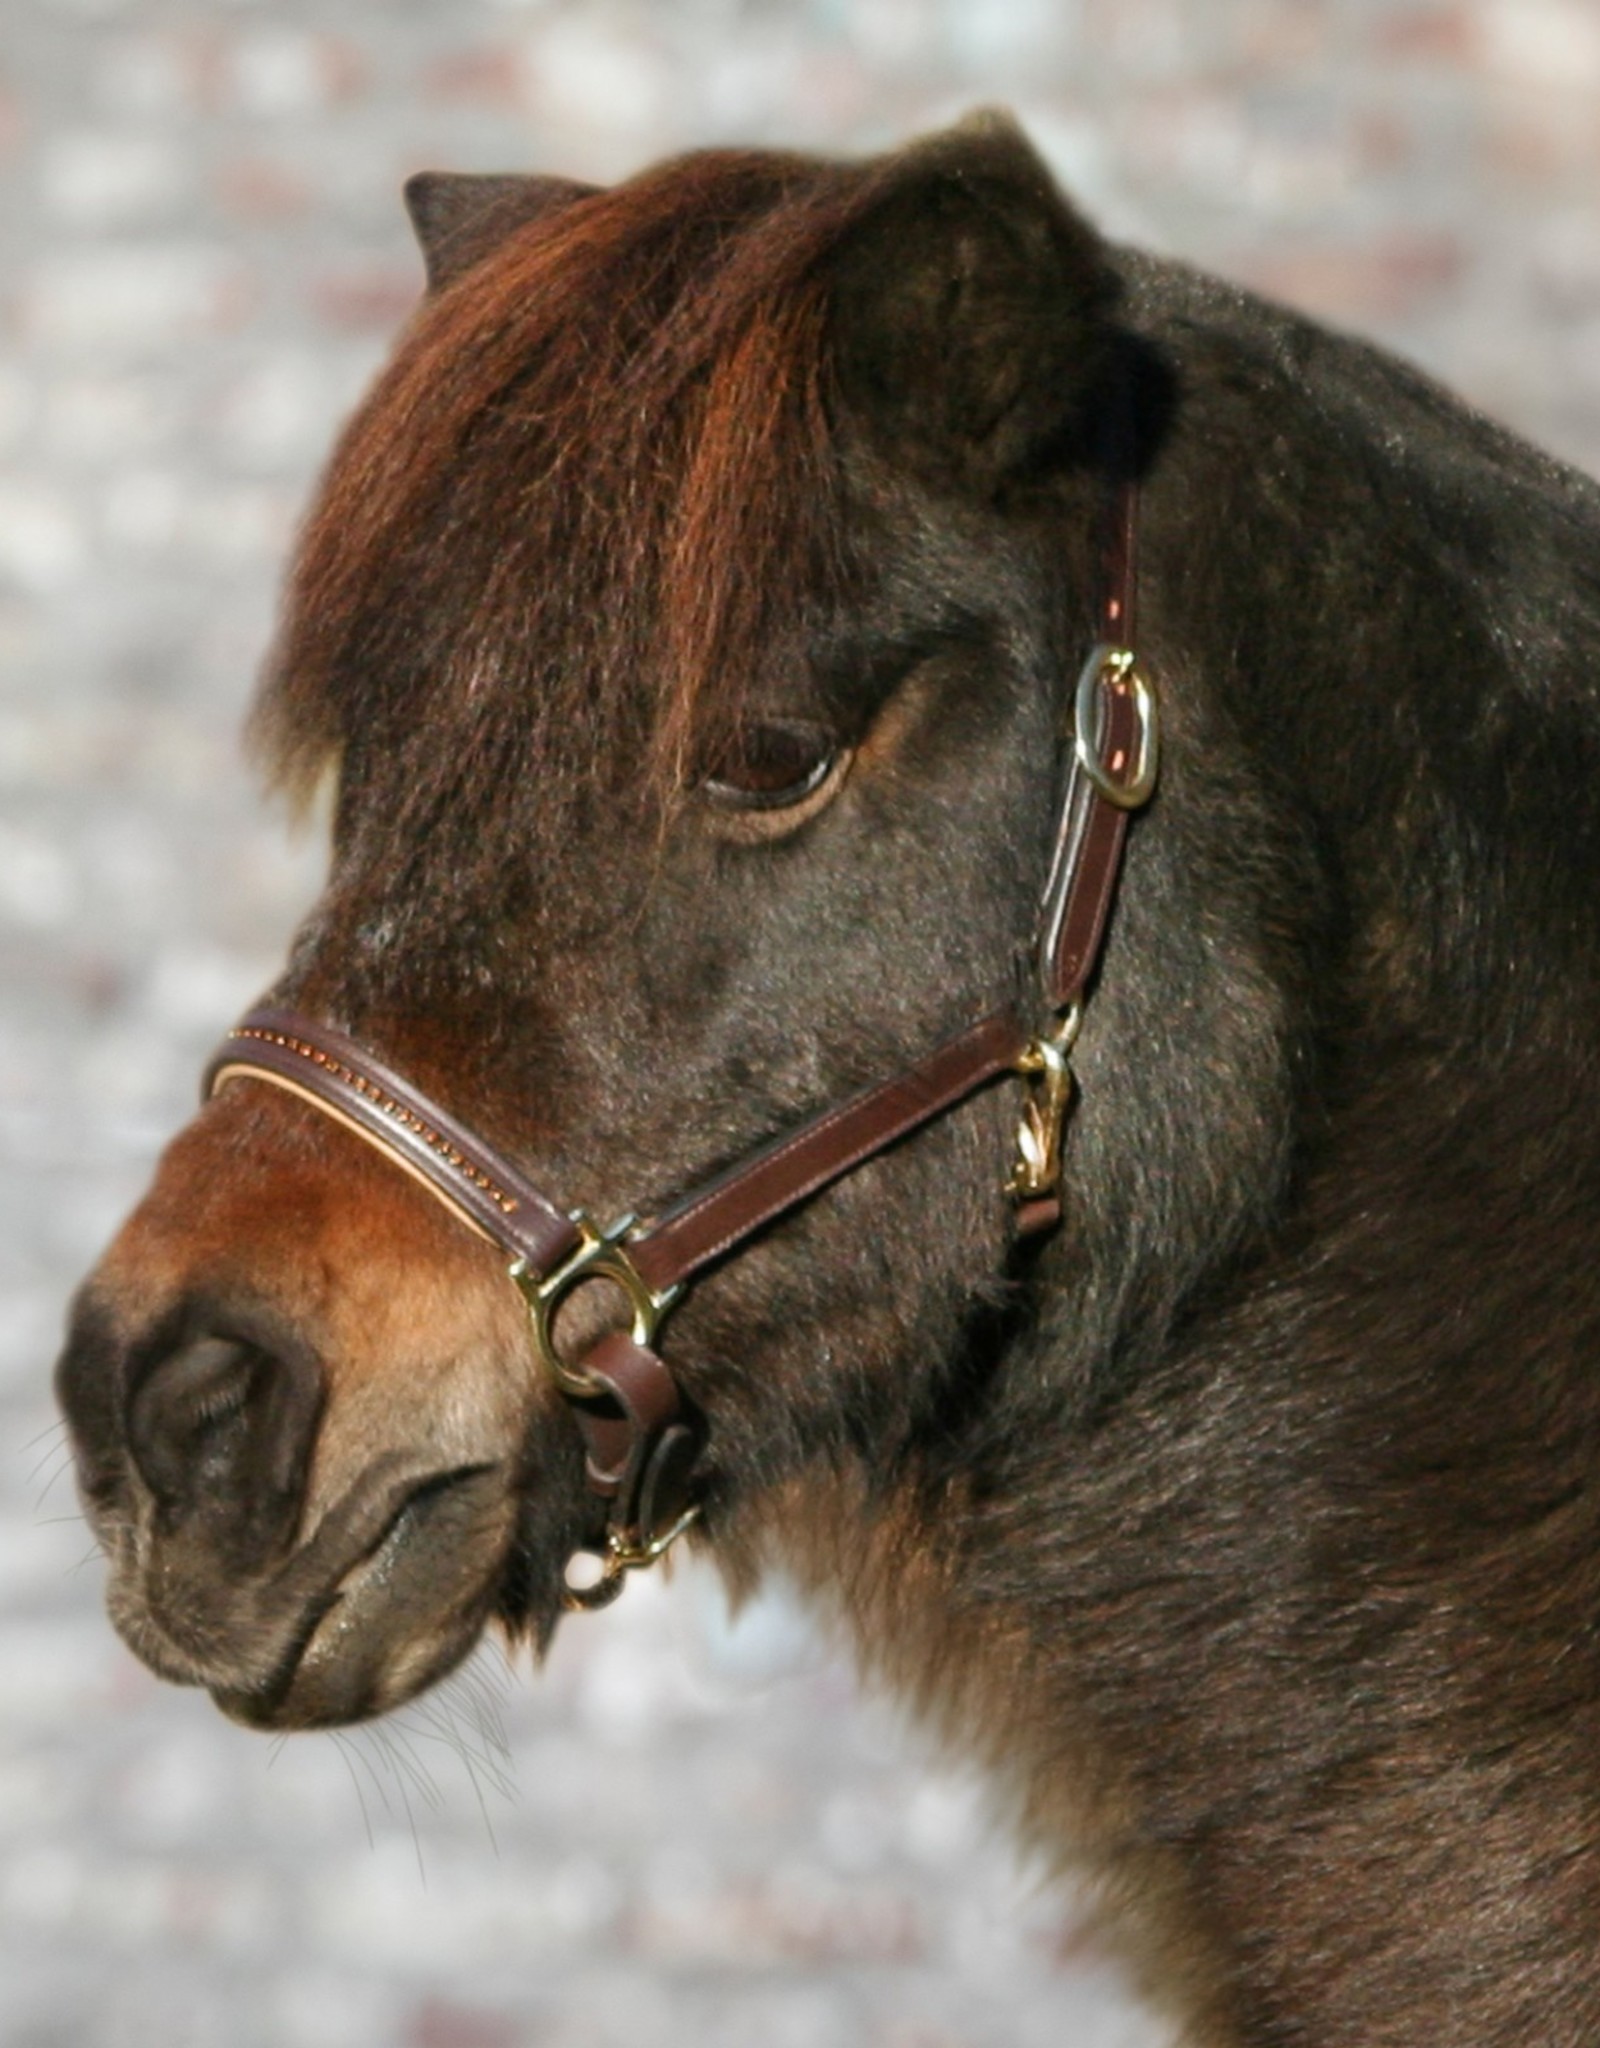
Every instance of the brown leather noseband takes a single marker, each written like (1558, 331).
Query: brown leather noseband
(641, 1440)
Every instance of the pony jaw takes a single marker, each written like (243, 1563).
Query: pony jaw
(386, 1595)
(395, 1622)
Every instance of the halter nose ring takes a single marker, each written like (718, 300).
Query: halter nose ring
(601, 1256)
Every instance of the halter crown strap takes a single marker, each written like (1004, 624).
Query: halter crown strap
(1112, 764)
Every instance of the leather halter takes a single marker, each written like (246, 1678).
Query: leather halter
(641, 1440)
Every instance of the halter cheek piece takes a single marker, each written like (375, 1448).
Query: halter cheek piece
(641, 1441)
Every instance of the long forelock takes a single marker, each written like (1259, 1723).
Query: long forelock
(594, 484)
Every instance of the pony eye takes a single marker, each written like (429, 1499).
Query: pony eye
(774, 764)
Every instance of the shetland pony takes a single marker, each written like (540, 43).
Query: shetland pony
(688, 626)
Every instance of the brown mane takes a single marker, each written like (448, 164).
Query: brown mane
(557, 534)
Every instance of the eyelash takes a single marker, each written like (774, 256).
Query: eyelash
(768, 752)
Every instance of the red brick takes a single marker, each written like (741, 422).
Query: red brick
(366, 299)
(1281, 39)
(758, 1925)
(275, 72)
(259, 189)
(1446, 36)
(1387, 279)
(1540, 139)
(491, 77)
(1384, 143)
(440, 2023)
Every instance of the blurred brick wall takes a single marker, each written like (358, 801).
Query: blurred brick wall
(203, 257)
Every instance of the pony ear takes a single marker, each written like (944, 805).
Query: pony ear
(459, 217)
(971, 307)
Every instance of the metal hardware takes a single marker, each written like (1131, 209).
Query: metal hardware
(1117, 669)
(624, 1554)
(1044, 1064)
(601, 1256)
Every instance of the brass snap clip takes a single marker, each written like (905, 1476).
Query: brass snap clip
(1044, 1064)
(623, 1553)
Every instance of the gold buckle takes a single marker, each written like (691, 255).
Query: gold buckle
(1044, 1064)
(601, 1255)
(624, 1554)
(1116, 668)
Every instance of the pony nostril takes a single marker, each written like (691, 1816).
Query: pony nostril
(188, 1409)
(223, 1429)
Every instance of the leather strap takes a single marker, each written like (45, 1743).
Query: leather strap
(328, 1069)
(1086, 860)
(755, 1190)
(1121, 564)
(639, 1444)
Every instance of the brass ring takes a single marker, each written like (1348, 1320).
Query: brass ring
(600, 1255)
(1118, 667)
(624, 1554)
